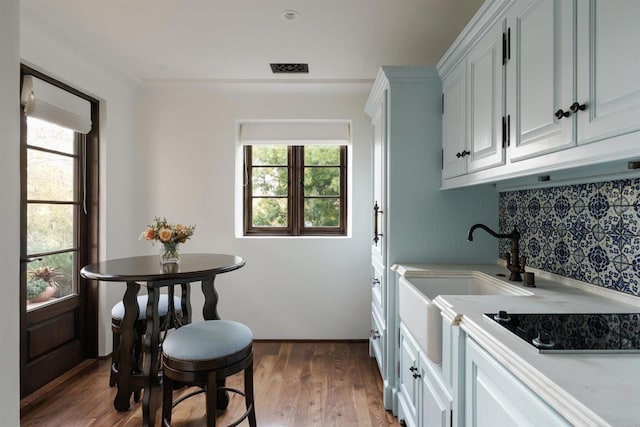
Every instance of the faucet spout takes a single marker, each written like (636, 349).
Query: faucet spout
(493, 233)
(515, 263)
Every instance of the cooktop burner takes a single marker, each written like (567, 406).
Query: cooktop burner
(575, 332)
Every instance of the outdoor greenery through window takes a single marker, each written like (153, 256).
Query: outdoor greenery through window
(52, 165)
(295, 190)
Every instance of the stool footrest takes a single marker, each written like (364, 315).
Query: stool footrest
(202, 390)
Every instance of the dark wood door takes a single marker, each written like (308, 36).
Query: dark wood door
(58, 322)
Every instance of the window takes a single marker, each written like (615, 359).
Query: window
(56, 169)
(295, 190)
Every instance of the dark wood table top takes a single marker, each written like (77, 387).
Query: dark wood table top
(148, 268)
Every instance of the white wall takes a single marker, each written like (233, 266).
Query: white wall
(298, 288)
(52, 51)
(9, 210)
(168, 149)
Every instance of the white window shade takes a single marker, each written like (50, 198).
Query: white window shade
(295, 133)
(45, 101)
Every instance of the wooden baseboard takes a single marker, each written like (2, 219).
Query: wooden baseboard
(42, 391)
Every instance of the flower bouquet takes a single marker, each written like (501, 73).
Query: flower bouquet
(169, 236)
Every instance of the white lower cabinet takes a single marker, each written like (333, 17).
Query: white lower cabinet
(495, 397)
(377, 338)
(436, 403)
(423, 399)
(408, 379)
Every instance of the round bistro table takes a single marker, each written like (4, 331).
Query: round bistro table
(148, 272)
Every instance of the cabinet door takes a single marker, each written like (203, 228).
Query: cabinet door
(377, 340)
(540, 76)
(435, 411)
(485, 88)
(408, 387)
(435, 402)
(608, 38)
(454, 135)
(494, 397)
(379, 123)
(378, 287)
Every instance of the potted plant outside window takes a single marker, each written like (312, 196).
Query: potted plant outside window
(41, 284)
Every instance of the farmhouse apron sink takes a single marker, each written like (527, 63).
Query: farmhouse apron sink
(421, 316)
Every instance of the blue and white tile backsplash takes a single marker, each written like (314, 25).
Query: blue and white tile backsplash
(589, 232)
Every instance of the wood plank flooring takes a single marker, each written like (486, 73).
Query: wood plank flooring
(297, 384)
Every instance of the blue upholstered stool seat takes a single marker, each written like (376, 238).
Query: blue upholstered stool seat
(208, 340)
(117, 312)
(203, 354)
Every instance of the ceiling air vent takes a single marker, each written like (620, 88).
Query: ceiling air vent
(289, 68)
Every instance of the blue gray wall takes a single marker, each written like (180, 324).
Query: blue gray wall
(588, 232)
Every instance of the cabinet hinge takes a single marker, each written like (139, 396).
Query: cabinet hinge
(506, 46)
(509, 44)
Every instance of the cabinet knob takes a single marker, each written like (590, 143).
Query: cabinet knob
(576, 106)
(462, 154)
(413, 369)
(375, 281)
(561, 113)
(416, 375)
(375, 334)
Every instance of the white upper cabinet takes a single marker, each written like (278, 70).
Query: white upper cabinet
(608, 40)
(454, 131)
(540, 74)
(485, 92)
(555, 81)
(551, 85)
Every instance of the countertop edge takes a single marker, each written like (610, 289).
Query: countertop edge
(555, 396)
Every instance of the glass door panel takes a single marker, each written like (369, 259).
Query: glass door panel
(52, 213)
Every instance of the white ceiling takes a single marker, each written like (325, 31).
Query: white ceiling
(345, 40)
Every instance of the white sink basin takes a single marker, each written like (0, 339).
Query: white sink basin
(422, 317)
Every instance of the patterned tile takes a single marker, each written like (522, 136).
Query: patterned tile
(630, 191)
(589, 232)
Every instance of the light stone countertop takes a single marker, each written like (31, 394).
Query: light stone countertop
(586, 389)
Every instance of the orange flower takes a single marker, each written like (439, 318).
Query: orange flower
(149, 234)
(165, 235)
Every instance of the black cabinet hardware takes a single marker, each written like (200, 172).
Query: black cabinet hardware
(376, 211)
(576, 106)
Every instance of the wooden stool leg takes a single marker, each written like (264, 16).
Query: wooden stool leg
(167, 400)
(248, 394)
(212, 399)
(115, 357)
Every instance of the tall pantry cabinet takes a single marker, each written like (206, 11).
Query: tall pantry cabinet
(412, 220)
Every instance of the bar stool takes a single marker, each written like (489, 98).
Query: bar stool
(117, 314)
(201, 354)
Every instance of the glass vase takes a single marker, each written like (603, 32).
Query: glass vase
(169, 253)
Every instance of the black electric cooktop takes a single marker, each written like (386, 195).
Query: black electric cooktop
(575, 332)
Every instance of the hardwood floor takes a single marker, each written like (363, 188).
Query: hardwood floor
(297, 384)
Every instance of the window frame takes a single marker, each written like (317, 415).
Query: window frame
(295, 196)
